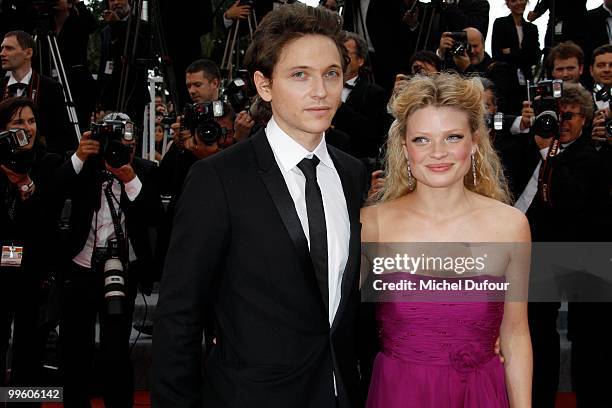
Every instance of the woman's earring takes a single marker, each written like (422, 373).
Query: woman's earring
(411, 179)
(474, 169)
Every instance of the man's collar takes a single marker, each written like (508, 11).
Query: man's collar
(289, 152)
(25, 80)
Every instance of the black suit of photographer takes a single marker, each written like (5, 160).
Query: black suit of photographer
(578, 196)
(29, 224)
(83, 296)
(109, 74)
(364, 118)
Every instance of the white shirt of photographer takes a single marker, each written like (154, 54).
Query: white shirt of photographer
(103, 218)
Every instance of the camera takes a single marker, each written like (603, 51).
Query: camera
(11, 141)
(544, 95)
(108, 260)
(250, 3)
(110, 133)
(494, 121)
(602, 92)
(238, 91)
(199, 118)
(461, 45)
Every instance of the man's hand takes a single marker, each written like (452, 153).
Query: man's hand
(527, 115)
(446, 43)
(125, 173)
(110, 16)
(541, 142)
(462, 61)
(532, 16)
(598, 133)
(506, 51)
(87, 147)
(199, 148)
(411, 18)
(179, 135)
(237, 12)
(243, 125)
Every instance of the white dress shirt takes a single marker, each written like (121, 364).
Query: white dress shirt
(103, 219)
(524, 201)
(25, 80)
(347, 91)
(288, 153)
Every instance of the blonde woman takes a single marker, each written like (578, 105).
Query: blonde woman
(444, 184)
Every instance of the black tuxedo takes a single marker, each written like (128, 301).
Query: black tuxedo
(52, 115)
(594, 33)
(505, 36)
(578, 194)
(237, 243)
(364, 118)
(83, 288)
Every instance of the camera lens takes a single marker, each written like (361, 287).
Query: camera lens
(546, 124)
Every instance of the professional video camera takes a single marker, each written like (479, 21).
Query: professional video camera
(199, 118)
(461, 45)
(544, 96)
(108, 258)
(114, 128)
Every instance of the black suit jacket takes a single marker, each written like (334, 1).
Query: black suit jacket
(237, 243)
(84, 190)
(505, 36)
(364, 118)
(578, 193)
(595, 33)
(53, 121)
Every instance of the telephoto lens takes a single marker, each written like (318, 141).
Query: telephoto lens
(114, 286)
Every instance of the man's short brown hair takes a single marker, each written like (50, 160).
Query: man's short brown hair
(288, 23)
(565, 50)
(604, 49)
(575, 94)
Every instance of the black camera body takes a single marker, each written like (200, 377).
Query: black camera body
(108, 260)
(544, 96)
(199, 118)
(461, 45)
(11, 141)
(239, 91)
(110, 135)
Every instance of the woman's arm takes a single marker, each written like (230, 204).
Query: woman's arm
(515, 338)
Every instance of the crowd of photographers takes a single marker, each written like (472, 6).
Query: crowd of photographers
(85, 222)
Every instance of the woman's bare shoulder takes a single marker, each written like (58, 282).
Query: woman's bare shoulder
(508, 223)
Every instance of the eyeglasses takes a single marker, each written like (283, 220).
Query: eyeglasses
(570, 115)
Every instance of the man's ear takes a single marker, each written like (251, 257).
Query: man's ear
(263, 86)
(29, 53)
(215, 82)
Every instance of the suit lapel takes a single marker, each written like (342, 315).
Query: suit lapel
(352, 205)
(277, 188)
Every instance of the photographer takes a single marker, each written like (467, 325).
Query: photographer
(466, 54)
(27, 215)
(114, 201)
(113, 62)
(17, 52)
(73, 24)
(569, 208)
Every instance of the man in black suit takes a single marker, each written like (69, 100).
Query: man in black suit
(569, 213)
(596, 30)
(268, 231)
(363, 113)
(113, 203)
(114, 64)
(17, 52)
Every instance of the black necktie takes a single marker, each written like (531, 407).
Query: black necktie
(316, 225)
(13, 88)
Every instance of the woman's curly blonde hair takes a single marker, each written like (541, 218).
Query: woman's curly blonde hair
(442, 90)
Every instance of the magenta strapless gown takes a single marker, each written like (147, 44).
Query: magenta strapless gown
(438, 355)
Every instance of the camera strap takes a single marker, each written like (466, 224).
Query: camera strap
(546, 171)
(116, 223)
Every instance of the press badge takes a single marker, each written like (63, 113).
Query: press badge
(521, 78)
(559, 28)
(11, 256)
(110, 66)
